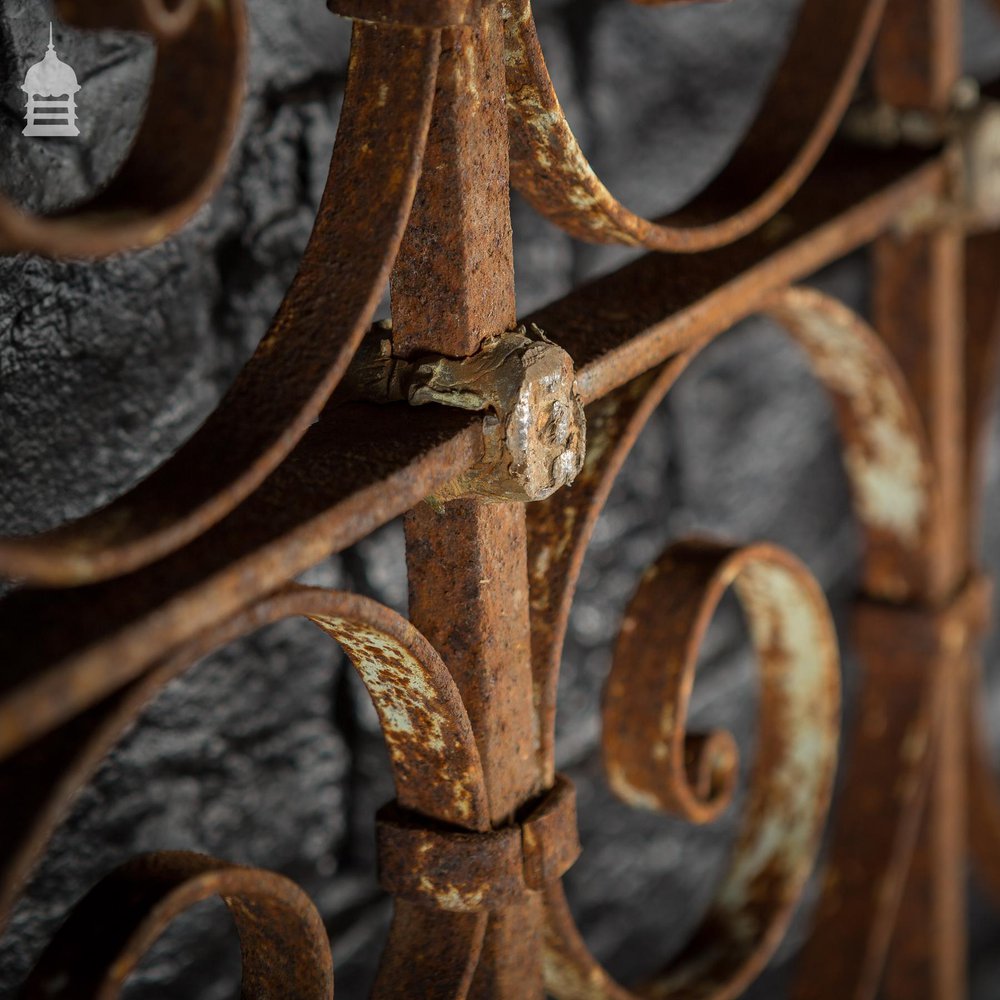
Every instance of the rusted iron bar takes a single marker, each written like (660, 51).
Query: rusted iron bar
(919, 54)
(850, 199)
(918, 306)
(283, 941)
(918, 283)
(918, 310)
(809, 94)
(435, 762)
(897, 906)
(327, 309)
(918, 302)
(452, 288)
(908, 655)
(483, 829)
(361, 465)
(845, 207)
(411, 13)
(982, 362)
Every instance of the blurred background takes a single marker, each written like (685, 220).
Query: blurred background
(269, 753)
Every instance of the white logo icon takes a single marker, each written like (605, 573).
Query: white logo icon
(51, 87)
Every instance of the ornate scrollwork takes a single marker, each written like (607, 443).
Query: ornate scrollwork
(286, 383)
(809, 95)
(887, 457)
(436, 768)
(283, 940)
(651, 761)
(464, 870)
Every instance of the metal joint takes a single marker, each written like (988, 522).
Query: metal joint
(930, 631)
(468, 871)
(534, 428)
(970, 128)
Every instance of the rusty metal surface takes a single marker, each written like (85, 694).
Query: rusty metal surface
(918, 283)
(908, 938)
(673, 301)
(322, 503)
(445, 101)
(885, 452)
(885, 449)
(918, 57)
(982, 361)
(431, 748)
(982, 365)
(452, 290)
(410, 13)
(360, 465)
(534, 432)
(284, 386)
(984, 800)
(652, 763)
(796, 121)
(851, 201)
(285, 950)
(457, 870)
(908, 658)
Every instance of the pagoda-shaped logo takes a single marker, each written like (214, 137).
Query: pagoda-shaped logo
(51, 87)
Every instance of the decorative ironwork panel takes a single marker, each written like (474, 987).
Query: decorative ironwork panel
(498, 438)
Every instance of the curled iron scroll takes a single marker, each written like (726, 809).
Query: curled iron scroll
(432, 751)
(652, 763)
(284, 946)
(888, 462)
(800, 113)
(290, 377)
(201, 50)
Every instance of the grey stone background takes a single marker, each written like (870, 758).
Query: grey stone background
(269, 753)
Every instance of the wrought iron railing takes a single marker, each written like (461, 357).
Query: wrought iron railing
(500, 444)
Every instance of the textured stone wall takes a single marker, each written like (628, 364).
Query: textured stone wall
(269, 753)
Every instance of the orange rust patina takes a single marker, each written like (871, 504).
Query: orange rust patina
(447, 101)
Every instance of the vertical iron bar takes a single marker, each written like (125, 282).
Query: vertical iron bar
(917, 305)
(453, 286)
(892, 913)
(918, 308)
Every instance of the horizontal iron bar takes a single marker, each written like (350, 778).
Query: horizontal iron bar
(362, 465)
(621, 325)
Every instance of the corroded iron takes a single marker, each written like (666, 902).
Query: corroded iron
(909, 657)
(808, 95)
(291, 375)
(971, 127)
(901, 917)
(284, 944)
(431, 748)
(885, 452)
(411, 13)
(462, 871)
(534, 431)
(653, 764)
(319, 442)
